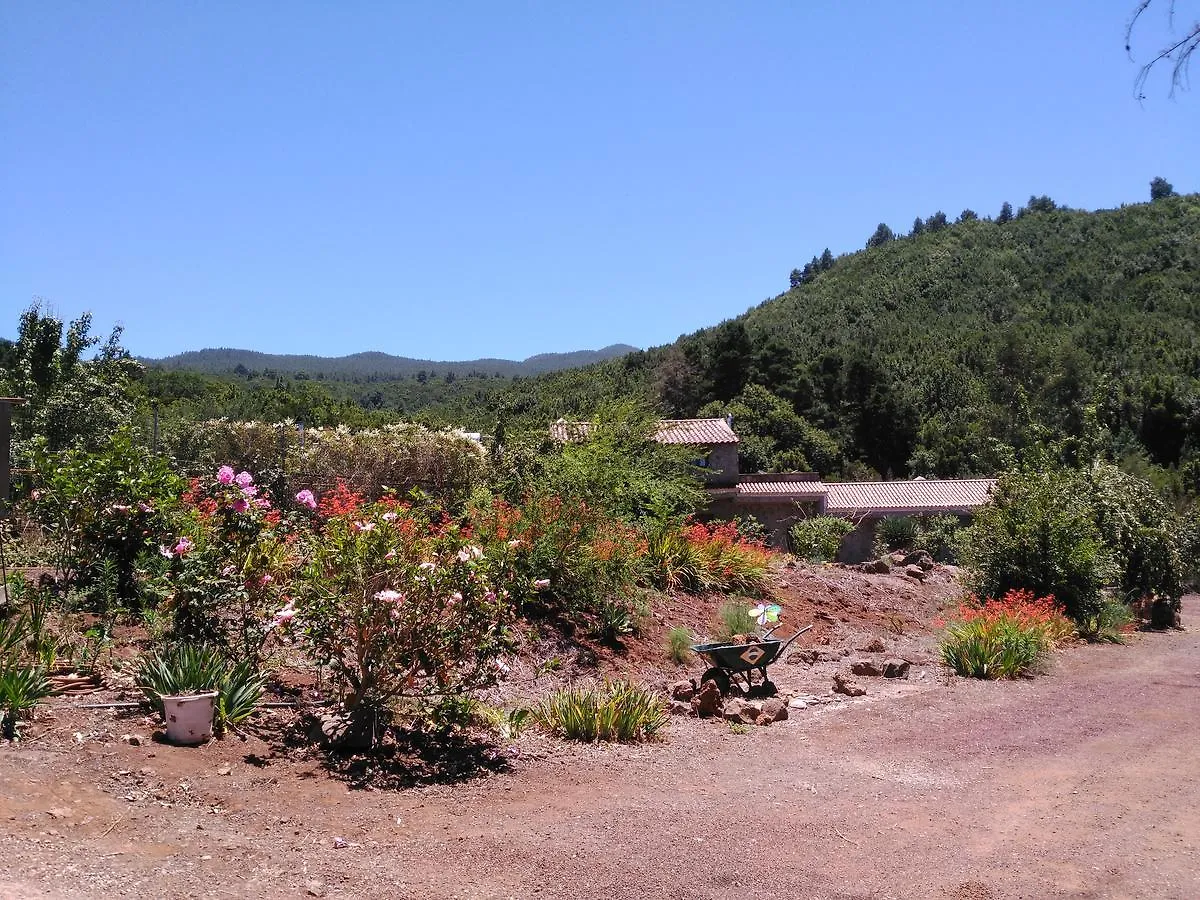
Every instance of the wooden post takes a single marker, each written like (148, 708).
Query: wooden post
(6, 405)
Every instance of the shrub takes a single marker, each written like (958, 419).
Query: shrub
(22, 687)
(897, 532)
(734, 618)
(1003, 638)
(679, 645)
(395, 604)
(819, 538)
(1039, 534)
(111, 507)
(699, 557)
(941, 536)
(612, 711)
(190, 669)
(1109, 624)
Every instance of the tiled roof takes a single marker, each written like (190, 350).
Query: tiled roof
(697, 432)
(782, 486)
(916, 496)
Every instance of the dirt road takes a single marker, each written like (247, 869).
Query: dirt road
(1079, 784)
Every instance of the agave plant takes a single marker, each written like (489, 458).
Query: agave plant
(189, 669)
(21, 687)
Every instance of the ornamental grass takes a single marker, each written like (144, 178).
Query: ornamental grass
(1003, 638)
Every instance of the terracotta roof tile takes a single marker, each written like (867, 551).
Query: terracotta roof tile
(697, 432)
(917, 496)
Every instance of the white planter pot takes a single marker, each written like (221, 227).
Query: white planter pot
(189, 717)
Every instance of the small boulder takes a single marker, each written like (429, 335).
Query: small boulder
(133, 740)
(895, 668)
(875, 645)
(773, 710)
(877, 567)
(745, 712)
(843, 684)
(801, 657)
(707, 701)
(344, 731)
(683, 691)
(915, 572)
(866, 667)
(679, 708)
(798, 703)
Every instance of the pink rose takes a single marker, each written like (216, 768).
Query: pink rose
(184, 545)
(244, 479)
(306, 498)
(225, 475)
(240, 505)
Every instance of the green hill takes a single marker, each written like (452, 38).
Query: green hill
(945, 351)
(373, 365)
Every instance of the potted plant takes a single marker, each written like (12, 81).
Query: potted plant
(198, 692)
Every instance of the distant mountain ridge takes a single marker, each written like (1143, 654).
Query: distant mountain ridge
(227, 360)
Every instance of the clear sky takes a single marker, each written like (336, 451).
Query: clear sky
(455, 180)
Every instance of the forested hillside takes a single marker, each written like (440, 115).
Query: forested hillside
(948, 350)
(373, 366)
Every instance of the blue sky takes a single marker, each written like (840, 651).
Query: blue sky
(458, 180)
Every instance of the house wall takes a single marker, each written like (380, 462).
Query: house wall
(776, 517)
(722, 466)
(857, 545)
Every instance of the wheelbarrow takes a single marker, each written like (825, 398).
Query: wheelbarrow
(728, 661)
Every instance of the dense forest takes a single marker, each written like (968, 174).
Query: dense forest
(950, 350)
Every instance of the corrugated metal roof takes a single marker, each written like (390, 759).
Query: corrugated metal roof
(919, 495)
(698, 432)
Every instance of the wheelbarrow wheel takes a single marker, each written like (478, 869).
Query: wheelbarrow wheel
(767, 689)
(719, 677)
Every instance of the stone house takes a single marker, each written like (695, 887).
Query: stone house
(780, 500)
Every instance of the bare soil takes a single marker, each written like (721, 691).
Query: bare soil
(1076, 783)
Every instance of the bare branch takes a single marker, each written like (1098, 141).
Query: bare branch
(1178, 53)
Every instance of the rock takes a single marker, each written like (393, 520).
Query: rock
(897, 558)
(707, 701)
(895, 668)
(133, 740)
(877, 566)
(926, 562)
(832, 655)
(316, 888)
(843, 684)
(773, 710)
(224, 770)
(866, 667)
(679, 708)
(915, 572)
(798, 703)
(343, 731)
(745, 712)
(875, 645)
(683, 690)
(801, 657)
(340, 843)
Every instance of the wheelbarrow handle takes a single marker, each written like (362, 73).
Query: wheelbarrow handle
(788, 642)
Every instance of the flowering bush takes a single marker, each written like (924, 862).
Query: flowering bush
(707, 557)
(230, 568)
(1003, 638)
(396, 605)
(565, 557)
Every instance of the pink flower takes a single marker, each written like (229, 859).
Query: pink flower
(490, 597)
(389, 597)
(240, 505)
(541, 584)
(225, 475)
(249, 490)
(184, 545)
(360, 527)
(165, 551)
(389, 517)
(285, 615)
(262, 503)
(144, 506)
(391, 554)
(244, 479)
(306, 498)
(468, 553)
(456, 597)
(266, 579)
(228, 571)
